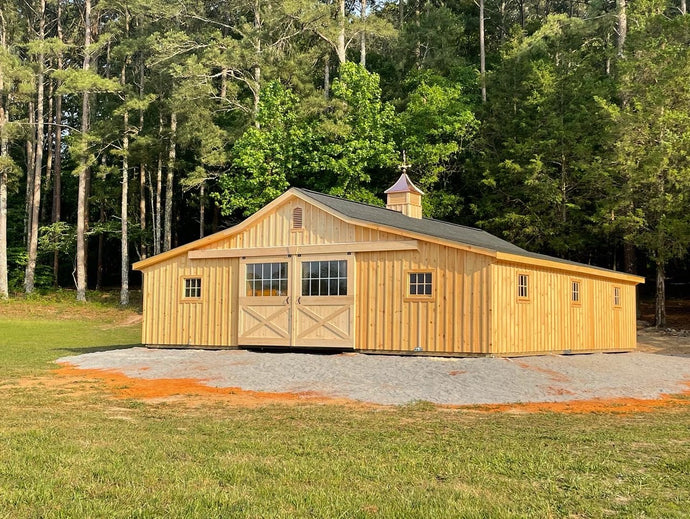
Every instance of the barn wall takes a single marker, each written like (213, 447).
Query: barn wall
(211, 321)
(549, 321)
(455, 320)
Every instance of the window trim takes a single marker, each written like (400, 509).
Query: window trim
(617, 291)
(577, 302)
(527, 298)
(419, 297)
(183, 285)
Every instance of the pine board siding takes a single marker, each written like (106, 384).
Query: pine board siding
(548, 321)
(170, 319)
(455, 320)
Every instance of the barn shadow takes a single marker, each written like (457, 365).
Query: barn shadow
(95, 349)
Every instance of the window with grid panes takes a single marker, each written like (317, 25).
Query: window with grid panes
(420, 284)
(575, 292)
(324, 278)
(523, 286)
(267, 279)
(192, 288)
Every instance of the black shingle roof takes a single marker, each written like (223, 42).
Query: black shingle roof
(436, 228)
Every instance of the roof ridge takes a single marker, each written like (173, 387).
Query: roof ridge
(340, 199)
(347, 200)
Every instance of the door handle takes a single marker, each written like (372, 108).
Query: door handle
(299, 300)
(287, 301)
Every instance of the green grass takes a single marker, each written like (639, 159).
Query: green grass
(69, 451)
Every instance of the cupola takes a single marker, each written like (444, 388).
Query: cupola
(405, 197)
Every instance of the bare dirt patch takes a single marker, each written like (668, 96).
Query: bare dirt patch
(187, 391)
(653, 340)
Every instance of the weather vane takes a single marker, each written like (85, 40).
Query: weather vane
(404, 164)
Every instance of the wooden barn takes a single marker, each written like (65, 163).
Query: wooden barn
(312, 270)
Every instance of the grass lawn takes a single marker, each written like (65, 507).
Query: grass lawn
(74, 450)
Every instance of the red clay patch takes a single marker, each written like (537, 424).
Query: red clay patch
(553, 375)
(456, 372)
(123, 386)
(191, 390)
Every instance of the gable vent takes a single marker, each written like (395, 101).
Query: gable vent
(297, 218)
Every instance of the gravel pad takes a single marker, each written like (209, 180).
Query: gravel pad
(383, 379)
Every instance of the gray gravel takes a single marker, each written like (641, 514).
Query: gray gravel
(399, 380)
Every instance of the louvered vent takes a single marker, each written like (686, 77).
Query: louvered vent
(297, 218)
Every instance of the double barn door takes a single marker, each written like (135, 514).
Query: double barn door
(297, 301)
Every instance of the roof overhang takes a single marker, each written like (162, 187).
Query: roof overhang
(569, 267)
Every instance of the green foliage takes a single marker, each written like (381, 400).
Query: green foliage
(437, 124)
(58, 237)
(265, 155)
(651, 168)
(355, 138)
(544, 132)
(76, 81)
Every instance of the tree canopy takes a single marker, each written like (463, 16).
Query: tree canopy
(139, 125)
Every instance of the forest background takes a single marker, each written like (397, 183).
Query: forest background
(128, 127)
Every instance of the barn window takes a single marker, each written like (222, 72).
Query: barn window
(420, 284)
(324, 278)
(267, 279)
(616, 296)
(523, 286)
(192, 288)
(575, 292)
(297, 218)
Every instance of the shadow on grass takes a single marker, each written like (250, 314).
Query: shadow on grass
(96, 349)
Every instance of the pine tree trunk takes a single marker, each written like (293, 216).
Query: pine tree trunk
(401, 13)
(30, 170)
(4, 289)
(340, 44)
(363, 37)
(124, 242)
(326, 77)
(142, 174)
(660, 303)
(101, 248)
(482, 52)
(82, 194)
(157, 232)
(50, 148)
(683, 7)
(167, 224)
(32, 249)
(57, 175)
(622, 26)
(257, 68)
(202, 201)
(4, 148)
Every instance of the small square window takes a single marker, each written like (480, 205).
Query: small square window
(523, 286)
(616, 296)
(420, 285)
(575, 292)
(192, 288)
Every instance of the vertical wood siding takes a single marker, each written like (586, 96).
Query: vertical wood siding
(455, 320)
(211, 321)
(549, 321)
(474, 308)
